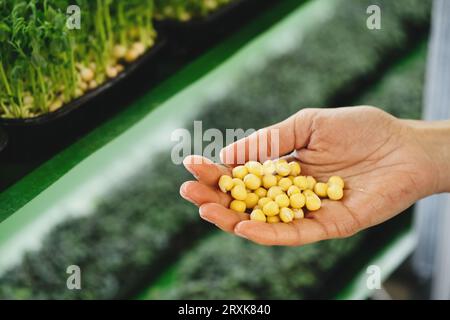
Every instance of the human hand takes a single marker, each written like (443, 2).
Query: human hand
(384, 162)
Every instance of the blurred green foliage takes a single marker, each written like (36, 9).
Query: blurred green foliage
(227, 267)
(400, 91)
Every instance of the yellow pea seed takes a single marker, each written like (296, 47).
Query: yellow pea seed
(139, 47)
(321, 189)
(293, 190)
(271, 209)
(262, 202)
(239, 193)
(258, 215)
(298, 214)
(291, 178)
(184, 16)
(297, 201)
(78, 92)
(251, 201)
(295, 168)
(261, 192)
(282, 200)
(119, 51)
(55, 105)
(286, 215)
(252, 181)
(226, 183)
(119, 68)
(28, 100)
(313, 202)
(238, 182)
(284, 183)
(274, 191)
(92, 84)
(278, 177)
(269, 181)
(237, 205)
(282, 168)
(274, 219)
(83, 85)
(269, 167)
(131, 55)
(335, 192)
(301, 182)
(255, 168)
(336, 180)
(111, 72)
(87, 74)
(240, 172)
(311, 182)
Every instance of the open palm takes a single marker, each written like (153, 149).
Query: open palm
(384, 166)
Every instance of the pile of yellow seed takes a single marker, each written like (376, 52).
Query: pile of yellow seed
(275, 191)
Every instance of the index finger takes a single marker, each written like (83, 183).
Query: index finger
(204, 170)
(271, 142)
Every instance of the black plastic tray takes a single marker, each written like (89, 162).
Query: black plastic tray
(18, 134)
(219, 18)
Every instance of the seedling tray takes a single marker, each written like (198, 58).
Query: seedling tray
(20, 138)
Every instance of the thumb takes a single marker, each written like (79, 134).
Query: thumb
(271, 142)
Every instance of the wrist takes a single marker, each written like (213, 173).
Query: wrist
(434, 139)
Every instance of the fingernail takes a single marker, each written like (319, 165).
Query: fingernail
(241, 235)
(187, 160)
(191, 168)
(206, 219)
(195, 175)
(222, 156)
(185, 197)
(238, 233)
(183, 188)
(203, 215)
(183, 191)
